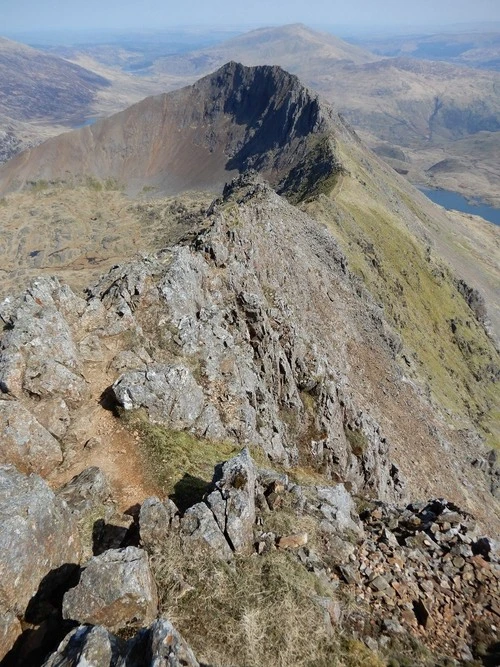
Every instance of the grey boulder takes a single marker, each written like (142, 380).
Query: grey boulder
(169, 393)
(24, 442)
(38, 535)
(87, 646)
(233, 501)
(116, 589)
(160, 645)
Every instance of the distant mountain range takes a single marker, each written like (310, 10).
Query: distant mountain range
(414, 113)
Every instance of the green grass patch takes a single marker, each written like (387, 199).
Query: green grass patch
(180, 463)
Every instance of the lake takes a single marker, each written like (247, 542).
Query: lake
(86, 123)
(452, 200)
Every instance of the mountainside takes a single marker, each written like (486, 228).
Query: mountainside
(409, 103)
(295, 47)
(38, 86)
(473, 49)
(195, 138)
(278, 429)
(39, 93)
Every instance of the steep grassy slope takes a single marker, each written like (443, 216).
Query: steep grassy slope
(387, 238)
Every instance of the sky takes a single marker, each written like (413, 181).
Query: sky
(39, 15)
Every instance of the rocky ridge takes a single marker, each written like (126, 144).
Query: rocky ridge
(217, 337)
(251, 344)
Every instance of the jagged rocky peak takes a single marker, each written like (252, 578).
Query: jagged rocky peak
(235, 119)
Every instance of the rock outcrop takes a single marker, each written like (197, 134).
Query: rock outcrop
(159, 645)
(39, 546)
(37, 537)
(116, 589)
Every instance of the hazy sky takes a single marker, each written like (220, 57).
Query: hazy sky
(34, 15)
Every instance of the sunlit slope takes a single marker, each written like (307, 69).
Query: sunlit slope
(392, 236)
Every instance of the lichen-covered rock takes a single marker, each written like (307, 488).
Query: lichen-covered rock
(10, 630)
(87, 646)
(233, 501)
(198, 525)
(24, 442)
(86, 491)
(169, 393)
(38, 535)
(116, 589)
(157, 520)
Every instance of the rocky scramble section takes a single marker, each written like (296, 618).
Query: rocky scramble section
(247, 335)
(416, 584)
(230, 432)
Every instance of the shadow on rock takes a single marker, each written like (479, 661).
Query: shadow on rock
(188, 491)
(43, 618)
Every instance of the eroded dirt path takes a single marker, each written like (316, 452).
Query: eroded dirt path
(104, 441)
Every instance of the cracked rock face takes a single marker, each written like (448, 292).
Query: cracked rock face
(225, 520)
(233, 501)
(38, 536)
(116, 589)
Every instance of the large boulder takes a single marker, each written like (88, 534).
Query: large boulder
(38, 536)
(116, 589)
(25, 443)
(169, 393)
(233, 501)
(225, 520)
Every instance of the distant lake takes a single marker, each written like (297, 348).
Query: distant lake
(452, 200)
(89, 121)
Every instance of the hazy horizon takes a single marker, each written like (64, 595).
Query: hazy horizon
(115, 15)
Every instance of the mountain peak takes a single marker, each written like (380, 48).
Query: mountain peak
(199, 137)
